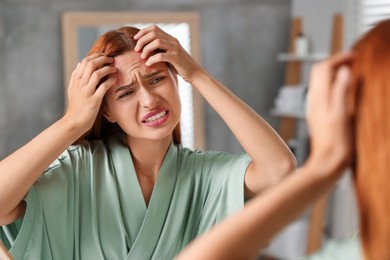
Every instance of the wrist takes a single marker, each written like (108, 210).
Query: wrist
(325, 167)
(71, 127)
(199, 77)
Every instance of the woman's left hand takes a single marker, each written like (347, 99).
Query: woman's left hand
(152, 39)
(329, 119)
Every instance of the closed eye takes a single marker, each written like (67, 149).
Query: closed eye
(126, 93)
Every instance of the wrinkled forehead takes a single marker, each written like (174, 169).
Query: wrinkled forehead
(131, 61)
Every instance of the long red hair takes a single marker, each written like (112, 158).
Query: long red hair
(114, 43)
(371, 70)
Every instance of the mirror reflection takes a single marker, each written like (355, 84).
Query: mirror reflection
(183, 26)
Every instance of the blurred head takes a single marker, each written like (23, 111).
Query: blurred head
(120, 44)
(371, 71)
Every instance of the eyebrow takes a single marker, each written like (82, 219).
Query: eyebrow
(150, 75)
(146, 76)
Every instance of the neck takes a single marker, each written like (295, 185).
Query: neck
(148, 155)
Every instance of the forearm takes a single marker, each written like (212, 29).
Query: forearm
(21, 169)
(269, 153)
(244, 234)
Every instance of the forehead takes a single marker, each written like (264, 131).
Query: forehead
(130, 62)
(127, 59)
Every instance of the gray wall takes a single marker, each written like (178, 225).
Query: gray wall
(3, 120)
(317, 18)
(240, 40)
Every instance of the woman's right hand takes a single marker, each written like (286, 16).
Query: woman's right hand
(86, 89)
(85, 94)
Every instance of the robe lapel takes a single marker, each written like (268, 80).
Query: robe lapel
(154, 220)
(131, 199)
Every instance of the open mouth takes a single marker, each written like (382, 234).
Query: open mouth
(155, 117)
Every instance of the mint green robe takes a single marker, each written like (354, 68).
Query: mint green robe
(339, 250)
(89, 205)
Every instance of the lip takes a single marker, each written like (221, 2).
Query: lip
(157, 122)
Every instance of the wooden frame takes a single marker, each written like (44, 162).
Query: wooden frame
(317, 218)
(72, 21)
(292, 77)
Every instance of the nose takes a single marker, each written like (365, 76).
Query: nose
(148, 98)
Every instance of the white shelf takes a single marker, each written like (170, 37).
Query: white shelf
(309, 57)
(300, 114)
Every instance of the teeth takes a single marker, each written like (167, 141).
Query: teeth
(156, 116)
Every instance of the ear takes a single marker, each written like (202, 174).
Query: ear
(106, 113)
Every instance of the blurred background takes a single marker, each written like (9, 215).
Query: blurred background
(239, 41)
(245, 44)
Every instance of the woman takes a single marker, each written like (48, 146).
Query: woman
(348, 117)
(127, 189)
(371, 94)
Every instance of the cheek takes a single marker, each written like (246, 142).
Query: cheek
(175, 99)
(111, 106)
(127, 110)
(108, 103)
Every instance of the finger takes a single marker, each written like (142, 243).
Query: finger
(79, 71)
(320, 80)
(146, 30)
(74, 76)
(156, 58)
(340, 59)
(329, 70)
(98, 75)
(342, 84)
(327, 81)
(144, 40)
(155, 46)
(168, 44)
(94, 65)
(105, 86)
(323, 74)
(319, 88)
(72, 79)
(151, 34)
(329, 67)
(142, 32)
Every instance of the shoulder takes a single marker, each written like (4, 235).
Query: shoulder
(187, 155)
(215, 156)
(211, 159)
(74, 154)
(77, 166)
(197, 153)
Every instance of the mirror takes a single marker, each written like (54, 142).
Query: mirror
(81, 29)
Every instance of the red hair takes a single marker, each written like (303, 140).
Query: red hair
(114, 43)
(371, 70)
